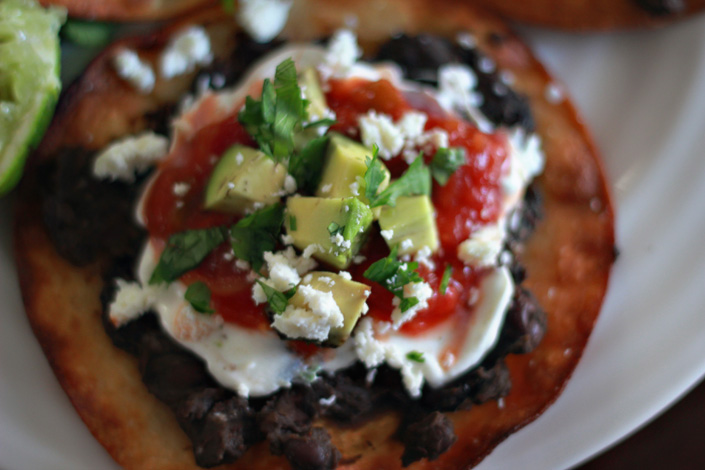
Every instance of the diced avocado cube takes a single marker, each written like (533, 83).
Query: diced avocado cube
(344, 171)
(311, 88)
(349, 295)
(317, 108)
(242, 178)
(411, 225)
(334, 227)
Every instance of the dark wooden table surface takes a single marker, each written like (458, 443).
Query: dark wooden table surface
(673, 441)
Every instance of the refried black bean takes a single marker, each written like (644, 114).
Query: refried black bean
(88, 219)
(662, 7)
(427, 438)
(420, 57)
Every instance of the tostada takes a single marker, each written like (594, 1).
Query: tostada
(378, 246)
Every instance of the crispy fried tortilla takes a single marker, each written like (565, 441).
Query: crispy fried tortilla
(127, 10)
(568, 259)
(583, 15)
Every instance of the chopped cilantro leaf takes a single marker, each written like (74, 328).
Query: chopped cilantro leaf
(416, 180)
(292, 222)
(446, 279)
(321, 122)
(374, 176)
(393, 275)
(415, 356)
(271, 121)
(199, 296)
(185, 251)
(306, 166)
(310, 373)
(257, 233)
(446, 162)
(277, 300)
(335, 229)
(407, 303)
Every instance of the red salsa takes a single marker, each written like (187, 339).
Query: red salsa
(471, 197)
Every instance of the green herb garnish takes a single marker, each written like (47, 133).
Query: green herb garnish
(446, 279)
(415, 356)
(199, 296)
(257, 233)
(306, 166)
(277, 300)
(292, 222)
(416, 180)
(321, 122)
(393, 275)
(271, 120)
(185, 251)
(446, 162)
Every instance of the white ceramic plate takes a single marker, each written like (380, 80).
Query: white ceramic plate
(643, 95)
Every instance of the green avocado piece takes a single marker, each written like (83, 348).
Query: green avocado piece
(337, 226)
(349, 295)
(344, 170)
(412, 219)
(317, 108)
(312, 91)
(242, 178)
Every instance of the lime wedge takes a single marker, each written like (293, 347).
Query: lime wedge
(29, 80)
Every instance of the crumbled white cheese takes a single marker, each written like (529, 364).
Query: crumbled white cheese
(380, 130)
(134, 70)
(368, 349)
(284, 269)
(242, 265)
(526, 161)
(406, 244)
(327, 401)
(311, 249)
(186, 50)
(326, 188)
(483, 246)
(181, 189)
(121, 159)
(412, 124)
(373, 352)
(239, 158)
(345, 275)
(387, 234)
(263, 19)
(455, 85)
(340, 242)
(287, 239)
(282, 274)
(359, 259)
(289, 184)
(423, 257)
(455, 92)
(131, 301)
(354, 189)
(313, 322)
(422, 291)
(341, 55)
